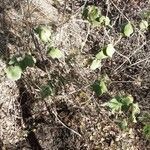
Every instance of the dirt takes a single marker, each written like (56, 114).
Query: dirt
(73, 118)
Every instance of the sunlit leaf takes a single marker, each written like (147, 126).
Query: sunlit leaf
(128, 29)
(92, 14)
(13, 72)
(44, 33)
(109, 50)
(96, 63)
(100, 55)
(114, 105)
(143, 25)
(104, 20)
(126, 101)
(55, 53)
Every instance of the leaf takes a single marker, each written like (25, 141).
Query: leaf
(46, 91)
(128, 29)
(96, 63)
(146, 131)
(100, 55)
(28, 61)
(99, 87)
(55, 53)
(135, 110)
(92, 14)
(109, 50)
(44, 33)
(13, 61)
(143, 25)
(13, 72)
(103, 87)
(104, 20)
(114, 105)
(126, 101)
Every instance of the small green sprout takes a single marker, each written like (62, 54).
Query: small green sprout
(128, 29)
(96, 63)
(124, 103)
(104, 53)
(94, 16)
(44, 33)
(17, 65)
(143, 25)
(55, 53)
(13, 72)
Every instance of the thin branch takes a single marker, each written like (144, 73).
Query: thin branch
(123, 56)
(56, 115)
(120, 11)
(129, 57)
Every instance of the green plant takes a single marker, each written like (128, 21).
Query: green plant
(17, 65)
(94, 16)
(146, 131)
(13, 72)
(145, 120)
(55, 53)
(124, 104)
(128, 29)
(27, 61)
(106, 52)
(143, 25)
(44, 33)
(100, 86)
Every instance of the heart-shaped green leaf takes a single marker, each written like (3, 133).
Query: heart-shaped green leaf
(13, 72)
(44, 33)
(128, 29)
(101, 55)
(55, 53)
(109, 50)
(96, 63)
(143, 25)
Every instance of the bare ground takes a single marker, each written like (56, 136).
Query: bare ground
(73, 118)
